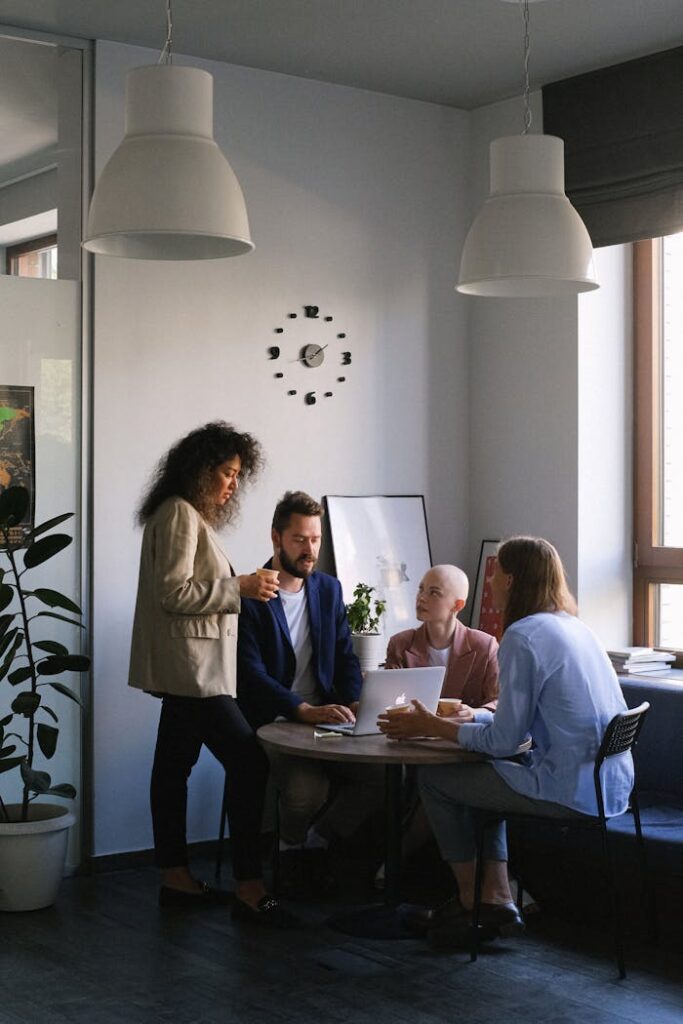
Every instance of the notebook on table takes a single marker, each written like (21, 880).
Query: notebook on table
(392, 687)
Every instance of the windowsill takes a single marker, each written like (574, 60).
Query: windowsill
(672, 675)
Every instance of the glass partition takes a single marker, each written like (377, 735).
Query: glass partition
(41, 117)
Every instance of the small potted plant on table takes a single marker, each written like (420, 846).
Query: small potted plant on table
(364, 614)
(33, 836)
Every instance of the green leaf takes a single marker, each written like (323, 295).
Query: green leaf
(51, 646)
(47, 738)
(14, 503)
(6, 595)
(63, 663)
(56, 600)
(41, 550)
(8, 763)
(5, 721)
(7, 640)
(64, 789)
(62, 618)
(6, 751)
(44, 527)
(49, 711)
(9, 657)
(60, 688)
(19, 675)
(5, 622)
(36, 782)
(26, 703)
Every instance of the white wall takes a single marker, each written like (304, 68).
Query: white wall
(605, 442)
(550, 416)
(357, 204)
(523, 388)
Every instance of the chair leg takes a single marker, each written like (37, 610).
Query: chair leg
(480, 827)
(614, 897)
(221, 831)
(646, 881)
(520, 897)
(276, 847)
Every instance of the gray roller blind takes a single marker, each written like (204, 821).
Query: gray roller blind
(623, 133)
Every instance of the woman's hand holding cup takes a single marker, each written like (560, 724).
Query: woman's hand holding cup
(263, 585)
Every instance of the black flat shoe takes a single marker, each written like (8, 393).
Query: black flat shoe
(205, 897)
(267, 912)
(495, 919)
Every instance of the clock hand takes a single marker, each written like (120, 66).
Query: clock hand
(321, 348)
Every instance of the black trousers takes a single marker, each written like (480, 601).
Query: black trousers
(185, 724)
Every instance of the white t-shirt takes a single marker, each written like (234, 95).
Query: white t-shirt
(296, 612)
(438, 656)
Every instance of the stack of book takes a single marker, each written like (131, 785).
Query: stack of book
(634, 660)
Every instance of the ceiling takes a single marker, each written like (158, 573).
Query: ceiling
(463, 53)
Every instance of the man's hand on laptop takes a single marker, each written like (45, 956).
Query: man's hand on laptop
(330, 714)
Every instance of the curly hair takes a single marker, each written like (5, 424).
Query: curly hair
(539, 583)
(186, 471)
(293, 503)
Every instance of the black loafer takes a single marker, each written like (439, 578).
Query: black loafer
(495, 919)
(267, 912)
(205, 897)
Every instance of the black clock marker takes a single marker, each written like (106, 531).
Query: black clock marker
(291, 392)
(340, 380)
(292, 316)
(329, 319)
(310, 398)
(346, 358)
(342, 335)
(279, 330)
(328, 394)
(273, 352)
(312, 312)
(279, 376)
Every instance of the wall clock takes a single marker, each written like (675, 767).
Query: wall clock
(310, 357)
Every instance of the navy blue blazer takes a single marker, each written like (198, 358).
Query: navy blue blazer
(266, 662)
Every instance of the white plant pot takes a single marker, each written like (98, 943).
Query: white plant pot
(32, 856)
(369, 649)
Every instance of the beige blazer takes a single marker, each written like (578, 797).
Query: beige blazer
(185, 627)
(472, 670)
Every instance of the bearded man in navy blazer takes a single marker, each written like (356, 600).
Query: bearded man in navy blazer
(295, 660)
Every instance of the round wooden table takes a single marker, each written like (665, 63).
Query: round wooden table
(306, 741)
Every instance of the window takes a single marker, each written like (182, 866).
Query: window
(36, 258)
(658, 371)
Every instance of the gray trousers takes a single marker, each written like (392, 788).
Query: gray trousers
(346, 794)
(450, 791)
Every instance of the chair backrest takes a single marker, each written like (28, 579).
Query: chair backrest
(620, 735)
(622, 732)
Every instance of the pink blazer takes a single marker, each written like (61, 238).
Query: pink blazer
(472, 671)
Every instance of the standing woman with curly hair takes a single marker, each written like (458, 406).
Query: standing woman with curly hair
(184, 651)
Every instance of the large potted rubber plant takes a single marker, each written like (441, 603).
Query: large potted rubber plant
(33, 831)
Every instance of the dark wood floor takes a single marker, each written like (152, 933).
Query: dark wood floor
(105, 954)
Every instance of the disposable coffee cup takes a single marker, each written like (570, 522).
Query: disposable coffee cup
(448, 706)
(397, 709)
(272, 575)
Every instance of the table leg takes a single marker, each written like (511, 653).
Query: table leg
(392, 862)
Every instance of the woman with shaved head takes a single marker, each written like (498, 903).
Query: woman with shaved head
(468, 655)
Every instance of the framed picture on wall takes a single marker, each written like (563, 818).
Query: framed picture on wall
(484, 616)
(381, 540)
(17, 448)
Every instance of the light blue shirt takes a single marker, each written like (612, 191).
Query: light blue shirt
(558, 686)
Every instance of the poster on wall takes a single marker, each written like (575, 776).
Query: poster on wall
(381, 540)
(17, 448)
(484, 615)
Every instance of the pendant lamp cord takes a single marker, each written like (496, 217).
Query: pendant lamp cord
(166, 55)
(527, 48)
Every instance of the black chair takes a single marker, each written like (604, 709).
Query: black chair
(621, 735)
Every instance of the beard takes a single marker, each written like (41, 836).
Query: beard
(300, 569)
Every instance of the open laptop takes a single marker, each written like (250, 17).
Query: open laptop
(383, 688)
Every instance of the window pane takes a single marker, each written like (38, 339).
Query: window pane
(671, 525)
(669, 612)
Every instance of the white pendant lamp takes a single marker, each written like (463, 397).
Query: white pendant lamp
(527, 240)
(168, 193)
